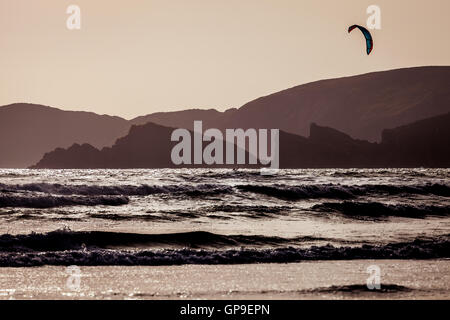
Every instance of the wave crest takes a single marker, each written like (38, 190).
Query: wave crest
(289, 192)
(415, 250)
(14, 255)
(60, 240)
(49, 201)
(377, 210)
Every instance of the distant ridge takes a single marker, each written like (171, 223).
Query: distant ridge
(424, 143)
(145, 146)
(361, 106)
(181, 119)
(27, 131)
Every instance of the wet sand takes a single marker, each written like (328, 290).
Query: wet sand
(400, 279)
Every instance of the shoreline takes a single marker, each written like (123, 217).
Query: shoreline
(337, 279)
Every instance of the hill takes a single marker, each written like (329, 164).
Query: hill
(361, 106)
(27, 131)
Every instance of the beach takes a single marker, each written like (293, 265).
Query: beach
(400, 279)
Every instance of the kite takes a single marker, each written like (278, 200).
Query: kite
(367, 35)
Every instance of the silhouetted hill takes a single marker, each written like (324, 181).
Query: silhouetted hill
(145, 146)
(424, 143)
(361, 106)
(27, 131)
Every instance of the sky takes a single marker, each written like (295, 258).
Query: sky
(136, 57)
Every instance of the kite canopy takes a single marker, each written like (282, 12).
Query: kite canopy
(367, 35)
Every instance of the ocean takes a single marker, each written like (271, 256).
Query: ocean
(223, 233)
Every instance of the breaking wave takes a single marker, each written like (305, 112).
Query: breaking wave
(334, 191)
(49, 201)
(73, 240)
(376, 209)
(126, 190)
(418, 249)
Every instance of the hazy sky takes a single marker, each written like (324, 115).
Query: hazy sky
(136, 57)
